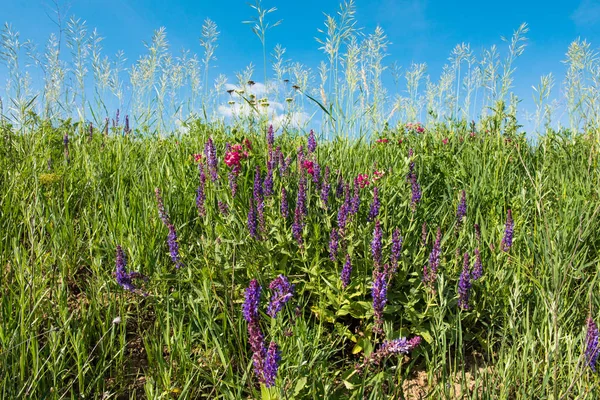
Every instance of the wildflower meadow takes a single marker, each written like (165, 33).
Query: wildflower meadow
(409, 247)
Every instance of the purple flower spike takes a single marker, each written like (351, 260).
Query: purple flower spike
(424, 234)
(252, 223)
(396, 250)
(464, 284)
(124, 278)
(592, 347)
(161, 208)
(430, 270)
(376, 244)
(416, 192)
(285, 211)
(339, 189)
(297, 226)
(392, 347)
(346, 272)
(379, 294)
(211, 157)
(282, 293)
(461, 210)
(312, 142)
(250, 306)
(174, 246)
(200, 193)
(477, 233)
(374, 210)
(333, 244)
(223, 208)
(270, 136)
(477, 266)
(271, 365)
(508, 232)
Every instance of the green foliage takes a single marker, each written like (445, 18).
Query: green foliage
(69, 330)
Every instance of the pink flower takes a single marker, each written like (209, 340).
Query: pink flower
(399, 141)
(363, 180)
(377, 175)
(308, 166)
(383, 140)
(248, 144)
(445, 140)
(232, 158)
(245, 154)
(236, 147)
(197, 158)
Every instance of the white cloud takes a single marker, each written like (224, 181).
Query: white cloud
(587, 13)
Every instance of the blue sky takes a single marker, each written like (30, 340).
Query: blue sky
(420, 31)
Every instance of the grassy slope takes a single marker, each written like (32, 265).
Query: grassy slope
(60, 224)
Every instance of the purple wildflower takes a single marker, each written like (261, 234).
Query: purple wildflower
(508, 232)
(200, 194)
(415, 190)
(269, 183)
(174, 246)
(339, 189)
(342, 216)
(379, 294)
(301, 198)
(285, 211)
(252, 223)
(317, 173)
(312, 142)
(250, 306)
(211, 157)
(271, 364)
(161, 208)
(270, 137)
(298, 225)
(461, 210)
(477, 266)
(396, 249)
(392, 347)
(282, 293)
(592, 347)
(255, 335)
(223, 207)
(477, 233)
(376, 244)
(375, 205)
(333, 244)
(430, 270)
(127, 129)
(464, 284)
(346, 272)
(424, 234)
(124, 278)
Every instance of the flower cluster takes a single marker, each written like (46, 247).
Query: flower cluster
(362, 180)
(124, 278)
(210, 152)
(282, 293)
(464, 284)
(333, 244)
(174, 246)
(382, 140)
(312, 142)
(592, 346)
(376, 244)
(392, 347)
(161, 207)
(375, 205)
(396, 250)
(346, 272)
(477, 266)
(265, 361)
(430, 270)
(379, 294)
(508, 232)
(415, 128)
